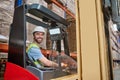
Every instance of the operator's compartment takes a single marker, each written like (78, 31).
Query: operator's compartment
(18, 37)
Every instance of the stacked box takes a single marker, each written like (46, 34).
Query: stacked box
(64, 2)
(70, 4)
(114, 44)
(42, 2)
(32, 1)
(115, 55)
(58, 10)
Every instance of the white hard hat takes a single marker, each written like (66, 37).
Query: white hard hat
(39, 29)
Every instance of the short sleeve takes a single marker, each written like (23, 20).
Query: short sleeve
(35, 53)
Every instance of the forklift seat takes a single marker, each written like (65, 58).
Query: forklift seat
(29, 62)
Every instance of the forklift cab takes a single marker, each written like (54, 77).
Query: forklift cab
(17, 38)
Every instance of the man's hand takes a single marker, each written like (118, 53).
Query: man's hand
(64, 65)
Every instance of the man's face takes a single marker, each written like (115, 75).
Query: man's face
(38, 37)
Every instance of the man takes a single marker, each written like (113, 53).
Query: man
(34, 52)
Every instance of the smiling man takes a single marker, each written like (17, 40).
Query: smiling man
(34, 52)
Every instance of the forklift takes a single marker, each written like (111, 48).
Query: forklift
(93, 50)
(56, 26)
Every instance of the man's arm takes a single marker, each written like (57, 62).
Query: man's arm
(37, 55)
(47, 62)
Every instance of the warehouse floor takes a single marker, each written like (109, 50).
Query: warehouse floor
(116, 73)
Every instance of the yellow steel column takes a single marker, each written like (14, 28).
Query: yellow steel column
(78, 39)
(92, 41)
(103, 53)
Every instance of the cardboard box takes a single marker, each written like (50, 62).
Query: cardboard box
(70, 4)
(42, 2)
(58, 10)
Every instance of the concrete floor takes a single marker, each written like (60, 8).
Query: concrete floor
(116, 74)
